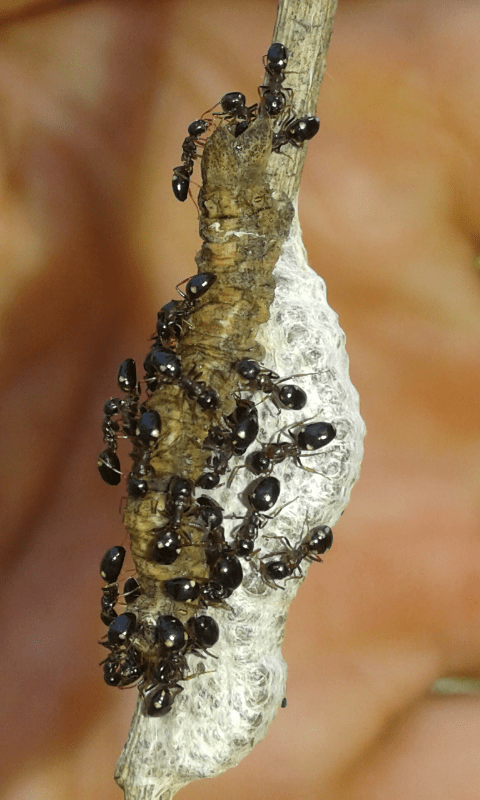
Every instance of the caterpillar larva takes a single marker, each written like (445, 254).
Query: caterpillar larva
(217, 571)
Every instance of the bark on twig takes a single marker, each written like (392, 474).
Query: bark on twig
(305, 27)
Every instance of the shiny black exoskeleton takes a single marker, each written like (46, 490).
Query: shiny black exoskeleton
(149, 426)
(161, 364)
(206, 397)
(209, 480)
(108, 465)
(131, 590)
(164, 686)
(122, 668)
(227, 571)
(170, 634)
(264, 380)
(137, 487)
(314, 436)
(273, 94)
(264, 494)
(182, 174)
(147, 432)
(317, 542)
(121, 629)
(170, 668)
(110, 568)
(295, 131)
(127, 376)
(310, 437)
(173, 314)
(112, 563)
(196, 288)
(204, 631)
(225, 568)
(170, 321)
(243, 424)
(226, 442)
(236, 111)
(166, 546)
(214, 593)
(160, 702)
(109, 600)
(210, 513)
(119, 414)
(183, 590)
(262, 497)
(128, 405)
(179, 499)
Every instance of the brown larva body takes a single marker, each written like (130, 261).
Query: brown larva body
(243, 227)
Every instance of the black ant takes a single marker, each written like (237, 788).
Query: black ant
(173, 315)
(295, 131)
(316, 543)
(264, 380)
(182, 174)
(127, 409)
(273, 95)
(262, 498)
(310, 437)
(110, 568)
(235, 110)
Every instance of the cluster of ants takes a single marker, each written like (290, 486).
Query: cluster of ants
(275, 101)
(152, 653)
(130, 643)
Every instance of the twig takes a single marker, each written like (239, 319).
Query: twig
(217, 721)
(305, 27)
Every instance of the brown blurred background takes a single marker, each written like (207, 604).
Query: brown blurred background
(95, 101)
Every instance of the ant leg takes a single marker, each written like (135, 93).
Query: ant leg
(297, 375)
(193, 199)
(210, 109)
(234, 472)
